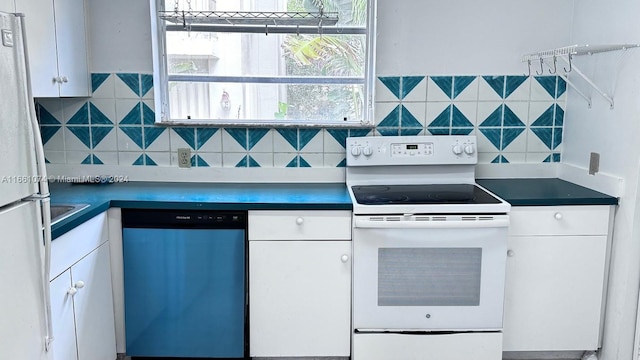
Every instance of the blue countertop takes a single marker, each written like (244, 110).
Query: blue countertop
(249, 196)
(206, 196)
(545, 192)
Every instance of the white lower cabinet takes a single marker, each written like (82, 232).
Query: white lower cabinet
(300, 284)
(555, 282)
(81, 296)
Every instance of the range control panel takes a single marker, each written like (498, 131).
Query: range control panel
(412, 150)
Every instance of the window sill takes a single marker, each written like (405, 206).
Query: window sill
(266, 124)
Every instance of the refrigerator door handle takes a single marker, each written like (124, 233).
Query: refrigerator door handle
(43, 186)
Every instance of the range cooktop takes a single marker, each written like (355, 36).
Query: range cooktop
(422, 194)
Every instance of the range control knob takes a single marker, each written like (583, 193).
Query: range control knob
(356, 150)
(469, 150)
(457, 149)
(367, 151)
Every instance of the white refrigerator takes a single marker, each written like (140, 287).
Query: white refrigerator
(25, 234)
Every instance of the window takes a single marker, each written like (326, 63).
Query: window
(264, 62)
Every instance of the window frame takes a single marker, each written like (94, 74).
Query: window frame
(161, 79)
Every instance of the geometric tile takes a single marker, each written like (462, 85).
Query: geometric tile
(500, 160)
(407, 119)
(460, 83)
(82, 133)
(340, 135)
(494, 136)
(545, 134)
(305, 136)
(204, 134)
(148, 115)
(510, 118)
(548, 83)
(409, 83)
(392, 83)
(98, 133)
(358, 132)
(303, 162)
(461, 131)
(443, 119)
(151, 134)
(92, 159)
(298, 161)
(188, 135)
(410, 131)
(86, 160)
(392, 119)
(139, 160)
(144, 159)
(496, 83)
(445, 83)
(81, 117)
(239, 135)
(458, 119)
(134, 133)
(97, 79)
(555, 157)
(342, 163)
(562, 87)
(440, 131)
(47, 132)
(546, 118)
(512, 83)
(133, 117)
(146, 83)
(558, 119)
(247, 161)
(45, 117)
(291, 135)
(557, 137)
(494, 119)
(294, 162)
(388, 131)
(97, 117)
(510, 134)
(132, 81)
(197, 161)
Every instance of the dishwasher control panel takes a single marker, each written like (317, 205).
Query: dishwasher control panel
(196, 219)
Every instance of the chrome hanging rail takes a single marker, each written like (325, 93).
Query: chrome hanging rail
(566, 54)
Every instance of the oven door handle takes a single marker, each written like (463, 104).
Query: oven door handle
(448, 224)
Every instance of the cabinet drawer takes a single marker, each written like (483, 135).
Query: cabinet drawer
(559, 220)
(300, 225)
(69, 248)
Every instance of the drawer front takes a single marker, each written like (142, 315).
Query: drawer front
(69, 248)
(559, 220)
(300, 225)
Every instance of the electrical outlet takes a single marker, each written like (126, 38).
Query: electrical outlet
(594, 163)
(184, 157)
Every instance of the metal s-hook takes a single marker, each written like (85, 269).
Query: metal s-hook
(541, 68)
(555, 68)
(529, 66)
(570, 66)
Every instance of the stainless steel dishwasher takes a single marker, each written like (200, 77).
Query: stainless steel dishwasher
(185, 283)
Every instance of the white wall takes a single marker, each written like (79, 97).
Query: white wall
(467, 37)
(613, 134)
(119, 36)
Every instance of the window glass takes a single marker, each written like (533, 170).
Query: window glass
(265, 62)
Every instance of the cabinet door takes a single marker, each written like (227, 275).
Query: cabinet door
(64, 333)
(300, 298)
(71, 39)
(553, 293)
(41, 43)
(94, 306)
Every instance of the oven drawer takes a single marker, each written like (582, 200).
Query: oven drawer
(300, 225)
(559, 220)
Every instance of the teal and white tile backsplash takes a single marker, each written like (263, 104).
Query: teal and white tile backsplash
(517, 119)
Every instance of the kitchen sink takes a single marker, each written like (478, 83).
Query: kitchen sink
(63, 211)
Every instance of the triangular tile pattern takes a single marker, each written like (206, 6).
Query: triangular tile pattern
(410, 131)
(239, 135)
(290, 135)
(409, 83)
(144, 159)
(494, 119)
(133, 117)
(305, 136)
(510, 118)
(146, 83)
(298, 161)
(188, 135)
(81, 117)
(389, 131)
(97, 79)
(204, 134)
(82, 133)
(151, 134)
(97, 117)
(497, 83)
(512, 83)
(342, 163)
(248, 161)
(546, 118)
(340, 135)
(359, 132)
(197, 161)
(47, 132)
(445, 83)
(132, 81)
(392, 83)
(494, 135)
(148, 115)
(92, 159)
(548, 83)
(443, 119)
(45, 117)
(461, 131)
(407, 119)
(98, 133)
(392, 119)
(135, 134)
(500, 159)
(458, 119)
(460, 83)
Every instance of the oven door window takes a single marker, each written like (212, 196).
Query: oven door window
(429, 276)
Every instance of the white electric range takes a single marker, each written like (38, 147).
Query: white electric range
(429, 250)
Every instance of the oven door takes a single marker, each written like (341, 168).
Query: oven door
(429, 273)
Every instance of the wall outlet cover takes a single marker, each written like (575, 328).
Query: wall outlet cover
(184, 157)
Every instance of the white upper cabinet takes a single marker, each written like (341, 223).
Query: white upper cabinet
(7, 6)
(57, 45)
